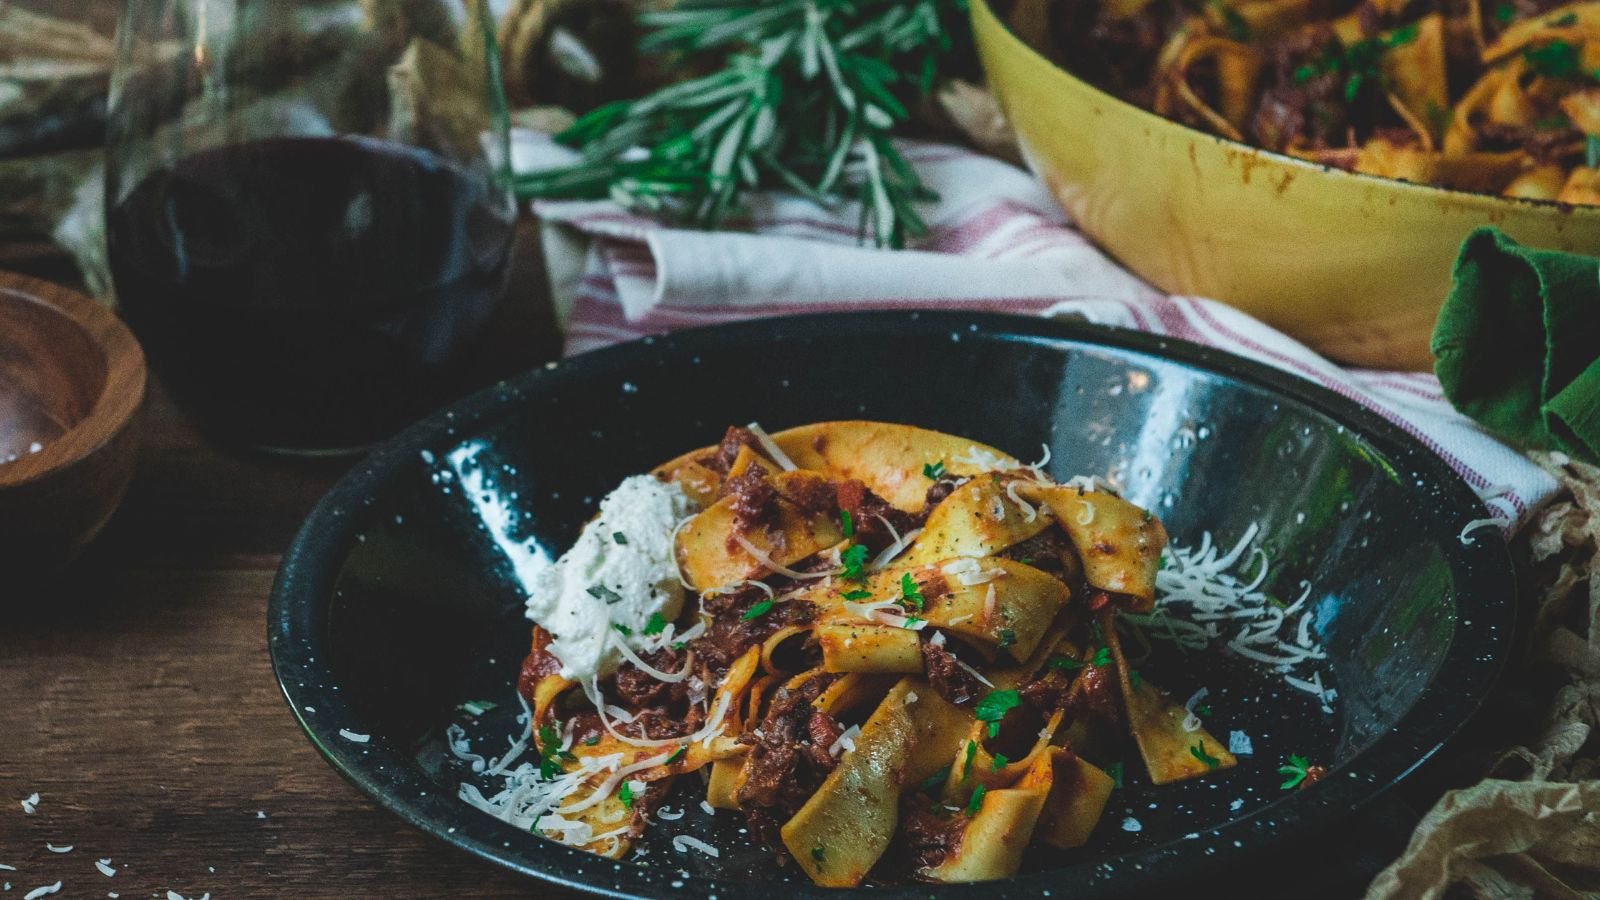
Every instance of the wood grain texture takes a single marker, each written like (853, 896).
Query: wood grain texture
(140, 702)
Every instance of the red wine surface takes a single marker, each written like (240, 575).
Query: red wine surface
(310, 294)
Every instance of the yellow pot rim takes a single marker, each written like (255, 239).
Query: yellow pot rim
(980, 11)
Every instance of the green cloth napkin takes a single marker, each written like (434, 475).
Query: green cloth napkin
(1517, 344)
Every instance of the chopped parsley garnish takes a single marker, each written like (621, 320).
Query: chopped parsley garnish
(1026, 560)
(1115, 771)
(549, 752)
(817, 854)
(1557, 59)
(966, 767)
(592, 741)
(679, 645)
(677, 755)
(932, 782)
(933, 471)
(854, 560)
(912, 621)
(994, 706)
(1296, 770)
(1198, 751)
(976, 802)
(1101, 657)
(1504, 13)
(1000, 761)
(656, 625)
(856, 595)
(1568, 19)
(846, 524)
(911, 593)
(626, 795)
(1135, 679)
(1202, 710)
(620, 538)
(1007, 638)
(1591, 152)
(622, 628)
(757, 611)
(601, 592)
(1358, 64)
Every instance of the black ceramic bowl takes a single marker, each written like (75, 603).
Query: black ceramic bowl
(399, 599)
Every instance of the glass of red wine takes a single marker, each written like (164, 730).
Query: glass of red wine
(308, 213)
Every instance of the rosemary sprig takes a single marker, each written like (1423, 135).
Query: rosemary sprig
(807, 98)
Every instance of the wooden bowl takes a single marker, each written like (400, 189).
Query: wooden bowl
(1354, 265)
(72, 387)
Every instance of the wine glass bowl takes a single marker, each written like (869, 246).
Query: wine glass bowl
(308, 214)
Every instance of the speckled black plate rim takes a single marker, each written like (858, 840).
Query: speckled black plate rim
(298, 616)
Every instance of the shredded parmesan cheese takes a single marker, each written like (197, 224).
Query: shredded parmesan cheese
(884, 612)
(652, 671)
(901, 542)
(104, 865)
(772, 448)
(762, 557)
(48, 889)
(30, 804)
(667, 815)
(683, 842)
(1028, 511)
(1200, 600)
(353, 737)
(54, 849)
(846, 741)
(706, 805)
(1476, 524)
(974, 673)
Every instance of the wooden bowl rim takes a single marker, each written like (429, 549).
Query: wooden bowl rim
(120, 398)
(980, 10)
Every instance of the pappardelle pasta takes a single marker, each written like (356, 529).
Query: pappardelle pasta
(892, 650)
(1490, 96)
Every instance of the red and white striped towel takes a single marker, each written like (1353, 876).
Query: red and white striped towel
(997, 242)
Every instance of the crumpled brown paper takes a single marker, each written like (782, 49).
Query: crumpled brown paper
(1532, 829)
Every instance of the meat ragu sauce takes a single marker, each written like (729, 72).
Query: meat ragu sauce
(1494, 96)
(979, 636)
(790, 748)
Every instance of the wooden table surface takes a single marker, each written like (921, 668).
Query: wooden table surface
(139, 701)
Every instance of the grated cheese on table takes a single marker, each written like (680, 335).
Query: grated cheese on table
(38, 892)
(54, 849)
(104, 865)
(354, 737)
(31, 803)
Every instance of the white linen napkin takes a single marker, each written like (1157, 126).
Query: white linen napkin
(996, 242)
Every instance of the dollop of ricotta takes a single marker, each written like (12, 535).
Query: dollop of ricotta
(619, 574)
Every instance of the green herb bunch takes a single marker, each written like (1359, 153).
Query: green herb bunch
(806, 98)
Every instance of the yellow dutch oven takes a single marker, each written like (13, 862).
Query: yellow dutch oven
(1354, 265)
